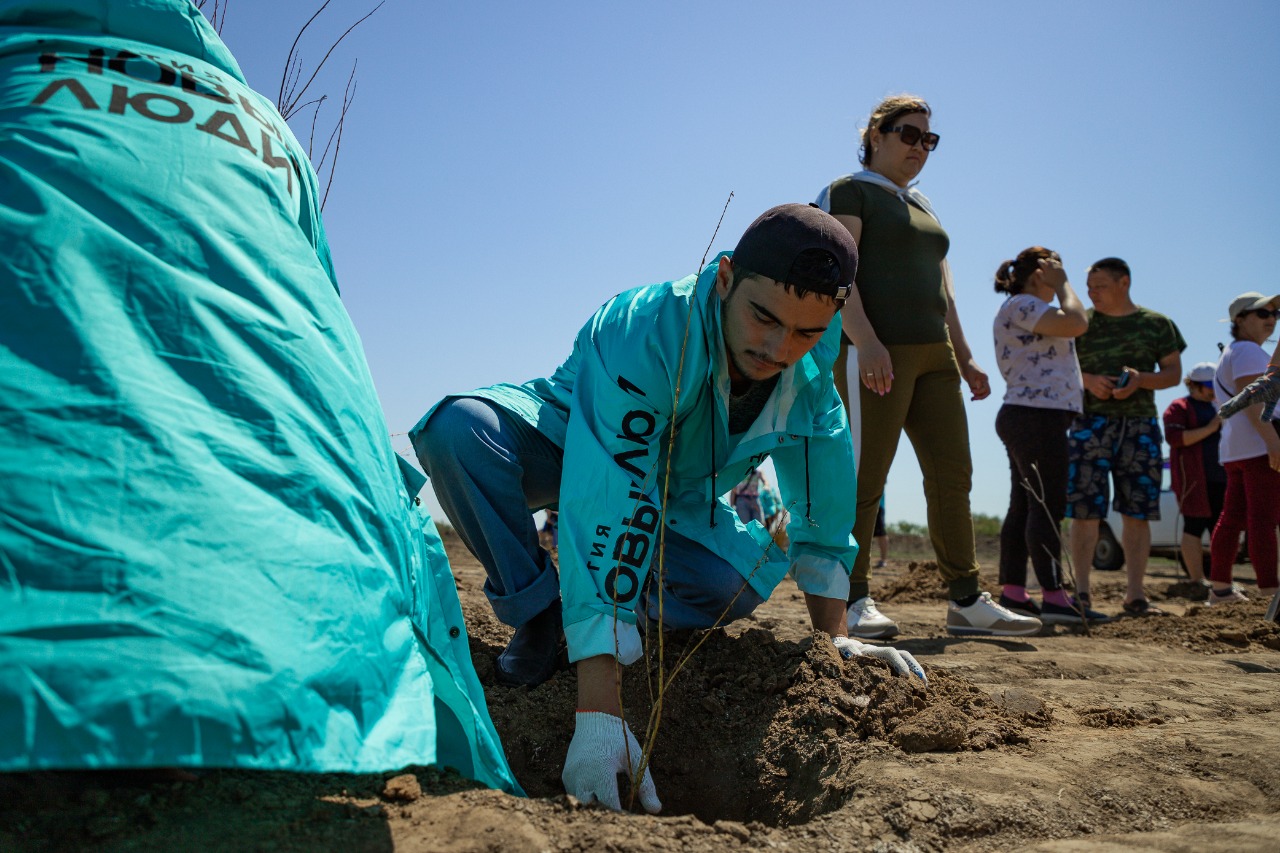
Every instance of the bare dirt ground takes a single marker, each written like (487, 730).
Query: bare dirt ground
(1160, 733)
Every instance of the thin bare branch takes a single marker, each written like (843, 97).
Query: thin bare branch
(311, 137)
(348, 96)
(289, 59)
(712, 241)
(1064, 552)
(217, 15)
(292, 73)
(329, 184)
(655, 714)
(288, 108)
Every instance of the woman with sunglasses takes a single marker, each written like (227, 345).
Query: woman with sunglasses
(1250, 451)
(1192, 428)
(912, 354)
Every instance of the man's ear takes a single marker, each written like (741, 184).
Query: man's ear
(724, 277)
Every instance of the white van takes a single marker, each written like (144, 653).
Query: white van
(1166, 534)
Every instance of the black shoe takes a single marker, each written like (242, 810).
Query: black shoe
(1056, 614)
(533, 654)
(1026, 608)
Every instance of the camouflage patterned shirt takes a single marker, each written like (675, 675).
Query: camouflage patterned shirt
(1138, 340)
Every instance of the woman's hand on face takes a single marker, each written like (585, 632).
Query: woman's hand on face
(978, 381)
(875, 367)
(1051, 273)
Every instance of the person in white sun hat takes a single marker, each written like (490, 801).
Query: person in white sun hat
(1250, 451)
(1193, 429)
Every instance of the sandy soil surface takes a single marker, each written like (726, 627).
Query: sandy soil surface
(1160, 733)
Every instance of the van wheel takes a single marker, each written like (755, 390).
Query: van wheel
(1108, 556)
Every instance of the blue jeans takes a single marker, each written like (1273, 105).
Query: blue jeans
(491, 470)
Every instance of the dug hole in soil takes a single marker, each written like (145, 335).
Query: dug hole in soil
(754, 729)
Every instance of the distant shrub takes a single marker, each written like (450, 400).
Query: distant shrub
(986, 525)
(906, 528)
(983, 525)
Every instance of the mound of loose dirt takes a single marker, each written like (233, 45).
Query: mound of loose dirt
(1186, 588)
(1213, 630)
(921, 582)
(756, 729)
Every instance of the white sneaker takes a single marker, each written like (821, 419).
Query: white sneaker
(866, 620)
(988, 619)
(1208, 584)
(1227, 597)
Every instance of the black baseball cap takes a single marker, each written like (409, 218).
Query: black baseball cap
(774, 244)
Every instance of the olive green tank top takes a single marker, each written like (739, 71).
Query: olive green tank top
(899, 263)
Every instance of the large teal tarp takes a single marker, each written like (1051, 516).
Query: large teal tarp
(209, 554)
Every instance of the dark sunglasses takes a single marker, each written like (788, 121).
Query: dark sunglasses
(911, 135)
(1264, 313)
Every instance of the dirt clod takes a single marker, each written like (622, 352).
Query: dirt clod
(402, 789)
(938, 729)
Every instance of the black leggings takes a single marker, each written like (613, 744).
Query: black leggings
(1196, 526)
(1036, 440)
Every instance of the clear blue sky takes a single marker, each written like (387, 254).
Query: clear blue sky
(509, 166)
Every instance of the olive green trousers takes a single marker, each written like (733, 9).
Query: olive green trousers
(927, 403)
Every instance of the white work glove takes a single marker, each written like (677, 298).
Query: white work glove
(602, 747)
(899, 661)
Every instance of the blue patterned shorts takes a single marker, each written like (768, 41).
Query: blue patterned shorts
(1126, 450)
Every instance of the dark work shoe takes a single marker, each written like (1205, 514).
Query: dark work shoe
(1056, 614)
(1026, 608)
(534, 651)
(1140, 607)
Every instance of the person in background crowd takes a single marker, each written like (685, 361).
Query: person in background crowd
(911, 355)
(1128, 353)
(775, 513)
(1250, 451)
(771, 506)
(1036, 353)
(1264, 390)
(1191, 426)
(550, 532)
(745, 497)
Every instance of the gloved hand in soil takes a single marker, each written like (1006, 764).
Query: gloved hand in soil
(902, 663)
(602, 747)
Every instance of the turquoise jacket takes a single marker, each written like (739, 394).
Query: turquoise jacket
(211, 554)
(613, 405)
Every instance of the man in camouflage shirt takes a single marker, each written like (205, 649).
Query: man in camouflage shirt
(1128, 353)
